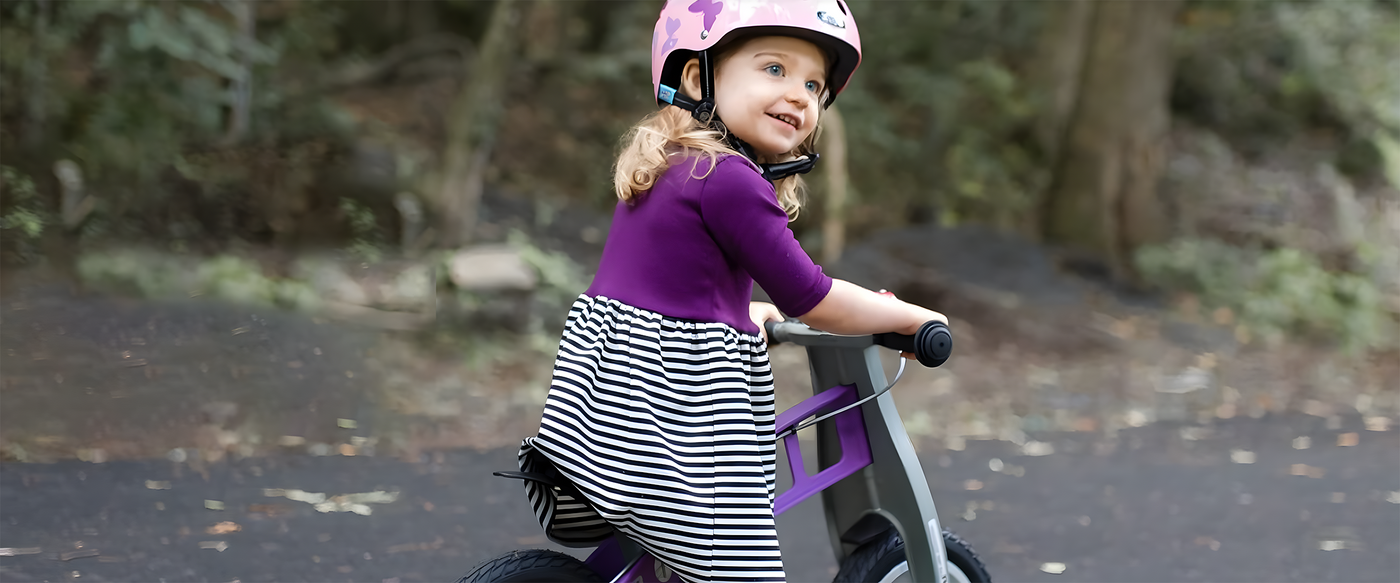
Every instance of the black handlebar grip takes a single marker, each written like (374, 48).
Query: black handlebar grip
(932, 344)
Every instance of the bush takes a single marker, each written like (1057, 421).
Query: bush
(1275, 292)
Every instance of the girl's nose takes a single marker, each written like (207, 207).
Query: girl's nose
(799, 96)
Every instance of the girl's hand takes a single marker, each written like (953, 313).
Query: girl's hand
(920, 314)
(761, 312)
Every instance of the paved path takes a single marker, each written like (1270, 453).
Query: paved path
(1161, 504)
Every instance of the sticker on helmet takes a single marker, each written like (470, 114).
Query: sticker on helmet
(711, 10)
(672, 25)
(833, 19)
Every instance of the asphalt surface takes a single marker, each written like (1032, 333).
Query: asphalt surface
(1159, 503)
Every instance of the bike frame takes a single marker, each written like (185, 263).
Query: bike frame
(869, 477)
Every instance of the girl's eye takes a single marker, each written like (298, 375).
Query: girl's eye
(775, 70)
(813, 86)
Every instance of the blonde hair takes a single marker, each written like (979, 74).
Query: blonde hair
(650, 147)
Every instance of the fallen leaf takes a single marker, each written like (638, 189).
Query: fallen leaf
(1306, 470)
(224, 527)
(269, 509)
(1037, 448)
(1348, 439)
(972, 485)
(1053, 568)
(214, 504)
(1377, 423)
(1242, 456)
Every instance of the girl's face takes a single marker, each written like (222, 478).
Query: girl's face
(768, 91)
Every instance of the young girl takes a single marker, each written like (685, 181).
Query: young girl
(661, 408)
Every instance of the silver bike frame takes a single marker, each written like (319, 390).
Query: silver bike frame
(893, 486)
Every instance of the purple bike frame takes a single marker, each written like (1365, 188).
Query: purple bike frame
(855, 454)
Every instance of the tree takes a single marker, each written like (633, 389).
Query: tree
(1103, 200)
(472, 127)
(837, 176)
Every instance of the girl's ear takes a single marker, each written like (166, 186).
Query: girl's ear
(690, 79)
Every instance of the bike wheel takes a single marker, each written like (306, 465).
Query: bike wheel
(882, 560)
(532, 566)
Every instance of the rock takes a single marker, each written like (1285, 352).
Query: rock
(493, 267)
(332, 280)
(412, 288)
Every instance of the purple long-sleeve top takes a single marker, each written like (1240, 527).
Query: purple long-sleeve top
(692, 248)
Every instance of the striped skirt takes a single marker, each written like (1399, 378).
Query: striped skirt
(665, 427)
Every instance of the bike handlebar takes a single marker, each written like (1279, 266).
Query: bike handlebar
(932, 344)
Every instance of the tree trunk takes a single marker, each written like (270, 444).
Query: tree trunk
(1103, 202)
(241, 88)
(472, 127)
(833, 161)
(37, 78)
(1057, 69)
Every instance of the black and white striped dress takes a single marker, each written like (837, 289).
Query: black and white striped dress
(666, 428)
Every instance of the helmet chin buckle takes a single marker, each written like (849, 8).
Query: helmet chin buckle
(781, 170)
(704, 111)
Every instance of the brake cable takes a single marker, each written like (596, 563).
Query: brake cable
(902, 362)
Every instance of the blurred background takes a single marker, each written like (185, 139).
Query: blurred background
(259, 250)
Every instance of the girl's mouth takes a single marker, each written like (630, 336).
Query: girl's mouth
(785, 119)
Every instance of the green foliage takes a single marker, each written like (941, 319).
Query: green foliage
(1349, 50)
(124, 87)
(1267, 71)
(936, 116)
(24, 216)
(367, 238)
(159, 275)
(1275, 292)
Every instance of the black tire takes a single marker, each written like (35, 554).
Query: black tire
(882, 559)
(535, 565)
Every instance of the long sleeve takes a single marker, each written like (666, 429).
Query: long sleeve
(742, 214)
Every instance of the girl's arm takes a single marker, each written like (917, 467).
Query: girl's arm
(851, 309)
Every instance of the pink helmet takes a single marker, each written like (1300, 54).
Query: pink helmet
(690, 26)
